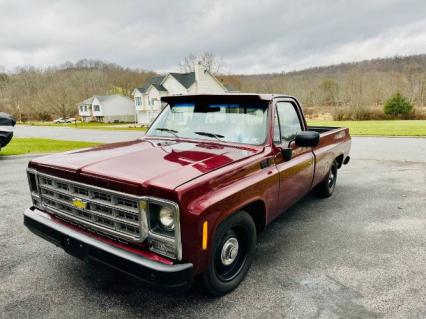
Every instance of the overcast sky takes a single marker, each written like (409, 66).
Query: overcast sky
(249, 36)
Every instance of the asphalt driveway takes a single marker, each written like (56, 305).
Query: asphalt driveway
(358, 254)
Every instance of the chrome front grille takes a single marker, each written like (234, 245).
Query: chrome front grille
(112, 213)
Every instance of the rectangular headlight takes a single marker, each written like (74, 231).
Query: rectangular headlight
(162, 219)
(32, 181)
(34, 187)
(164, 228)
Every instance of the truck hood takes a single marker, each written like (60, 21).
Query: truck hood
(147, 162)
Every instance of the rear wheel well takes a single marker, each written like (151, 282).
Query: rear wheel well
(257, 212)
(339, 160)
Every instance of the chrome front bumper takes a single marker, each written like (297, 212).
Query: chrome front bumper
(176, 276)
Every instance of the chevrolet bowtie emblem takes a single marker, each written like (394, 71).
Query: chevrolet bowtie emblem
(79, 203)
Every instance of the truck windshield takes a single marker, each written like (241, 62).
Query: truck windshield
(243, 123)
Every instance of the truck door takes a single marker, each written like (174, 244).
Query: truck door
(297, 173)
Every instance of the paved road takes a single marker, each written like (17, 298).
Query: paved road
(72, 134)
(358, 254)
(390, 148)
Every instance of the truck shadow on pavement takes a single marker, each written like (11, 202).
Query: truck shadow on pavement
(270, 242)
(108, 280)
(283, 249)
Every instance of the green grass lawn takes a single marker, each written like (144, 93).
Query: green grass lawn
(19, 146)
(93, 126)
(379, 128)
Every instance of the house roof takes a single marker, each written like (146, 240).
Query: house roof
(155, 81)
(186, 79)
(101, 98)
(87, 101)
(159, 87)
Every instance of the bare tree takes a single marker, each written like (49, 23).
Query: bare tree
(188, 63)
(60, 98)
(208, 59)
(330, 89)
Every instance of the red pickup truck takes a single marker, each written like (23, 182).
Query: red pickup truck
(189, 198)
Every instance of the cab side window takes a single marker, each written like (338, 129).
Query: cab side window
(289, 121)
(277, 133)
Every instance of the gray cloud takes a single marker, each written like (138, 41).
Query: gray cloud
(250, 36)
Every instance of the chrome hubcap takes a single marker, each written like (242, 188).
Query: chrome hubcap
(229, 251)
(330, 179)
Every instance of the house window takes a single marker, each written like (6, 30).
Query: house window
(85, 108)
(138, 100)
(96, 108)
(81, 108)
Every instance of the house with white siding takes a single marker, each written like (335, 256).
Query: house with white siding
(107, 109)
(147, 98)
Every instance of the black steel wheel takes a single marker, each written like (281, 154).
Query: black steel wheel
(327, 186)
(232, 254)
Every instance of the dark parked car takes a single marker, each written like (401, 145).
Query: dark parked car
(7, 123)
(190, 197)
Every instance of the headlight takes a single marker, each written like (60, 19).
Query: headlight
(167, 219)
(32, 181)
(164, 228)
(162, 219)
(33, 184)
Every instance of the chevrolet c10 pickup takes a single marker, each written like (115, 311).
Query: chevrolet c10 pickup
(188, 199)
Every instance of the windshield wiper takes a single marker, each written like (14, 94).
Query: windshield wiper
(216, 136)
(163, 129)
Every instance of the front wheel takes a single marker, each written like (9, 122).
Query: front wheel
(232, 254)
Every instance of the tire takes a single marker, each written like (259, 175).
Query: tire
(233, 249)
(326, 187)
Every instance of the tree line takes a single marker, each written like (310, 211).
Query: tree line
(361, 88)
(43, 93)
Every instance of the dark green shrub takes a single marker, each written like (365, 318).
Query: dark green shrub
(397, 105)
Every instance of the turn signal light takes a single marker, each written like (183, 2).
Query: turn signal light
(205, 235)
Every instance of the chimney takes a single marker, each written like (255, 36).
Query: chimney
(199, 71)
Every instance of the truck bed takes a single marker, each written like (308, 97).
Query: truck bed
(323, 129)
(334, 143)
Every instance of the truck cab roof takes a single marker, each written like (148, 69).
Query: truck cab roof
(228, 96)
